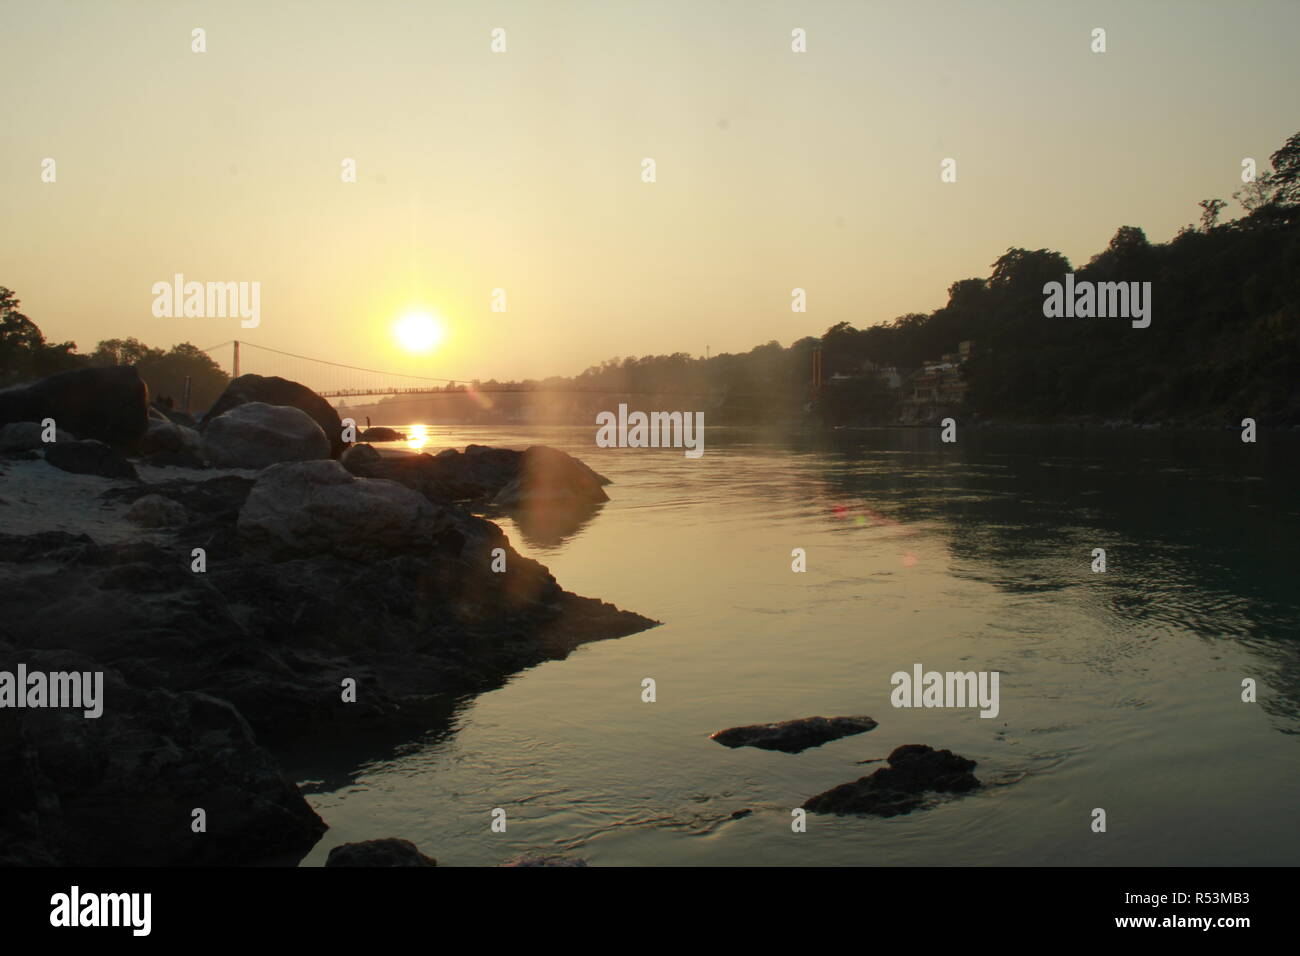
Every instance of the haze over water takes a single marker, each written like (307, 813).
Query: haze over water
(1119, 690)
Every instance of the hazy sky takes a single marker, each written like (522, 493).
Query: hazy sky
(522, 170)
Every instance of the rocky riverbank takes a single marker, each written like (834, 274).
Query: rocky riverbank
(238, 610)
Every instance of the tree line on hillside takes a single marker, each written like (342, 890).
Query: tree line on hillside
(1223, 343)
(25, 355)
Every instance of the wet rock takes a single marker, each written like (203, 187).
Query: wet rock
(273, 390)
(914, 770)
(386, 852)
(547, 475)
(382, 433)
(541, 860)
(108, 404)
(256, 435)
(155, 511)
(89, 457)
(794, 736)
(513, 478)
(309, 509)
(120, 789)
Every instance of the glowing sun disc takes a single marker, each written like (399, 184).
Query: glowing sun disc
(418, 331)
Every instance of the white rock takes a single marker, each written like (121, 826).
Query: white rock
(255, 435)
(308, 509)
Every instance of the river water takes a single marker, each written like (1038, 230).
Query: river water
(1119, 690)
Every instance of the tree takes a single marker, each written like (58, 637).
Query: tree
(24, 352)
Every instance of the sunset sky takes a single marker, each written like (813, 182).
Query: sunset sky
(522, 170)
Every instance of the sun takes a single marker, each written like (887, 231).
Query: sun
(418, 331)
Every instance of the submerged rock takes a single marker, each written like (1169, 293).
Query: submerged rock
(387, 852)
(381, 433)
(914, 770)
(794, 736)
(256, 435)
(541, 860)
(273, 390)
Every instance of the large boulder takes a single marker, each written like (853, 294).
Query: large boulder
(273, 390)
(255, 435)
(312, 509)
(540, 475)
(121, 789)
(89, 458)
(548, 475)
(109, 404)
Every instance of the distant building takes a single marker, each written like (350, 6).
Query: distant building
(938, 388)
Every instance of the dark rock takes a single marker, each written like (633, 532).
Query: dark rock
(256, 435)
(794, 736)
(109, 404)
(273, 390)
(914, 770)
(550, 475)
(382, 433)
(26, 436)
(357, 455)
(89, 458)
(543, 860)
(120, 789)
(155, 511)
(412, 624)
(419, 624)
(165, 436)
(175, 459)
(387, 852)
(538, 476)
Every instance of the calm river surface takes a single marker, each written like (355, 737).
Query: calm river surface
(1119, 690)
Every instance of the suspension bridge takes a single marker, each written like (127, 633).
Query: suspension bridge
(337, 380)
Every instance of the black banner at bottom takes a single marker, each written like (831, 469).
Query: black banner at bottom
(312, 905)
